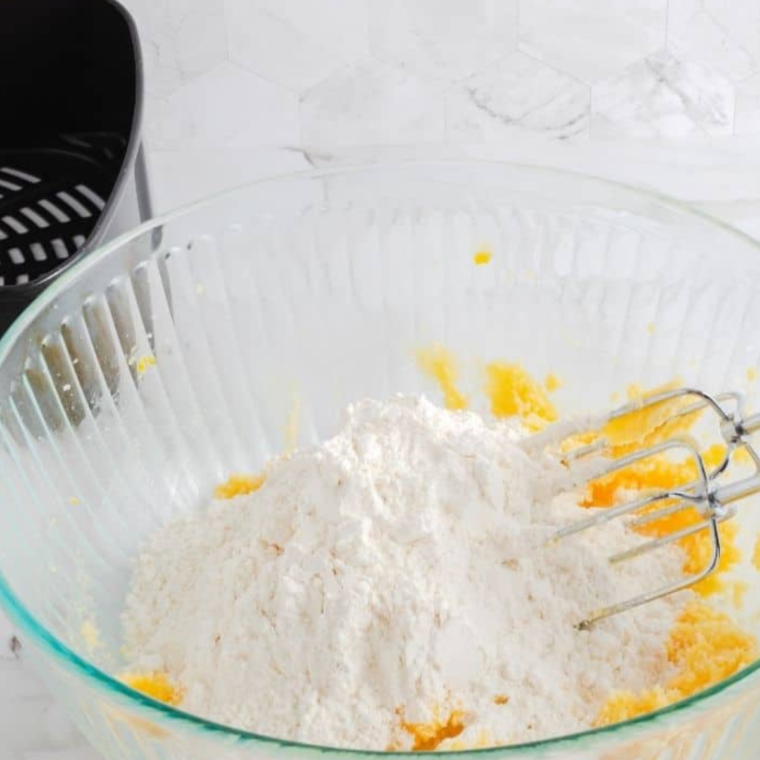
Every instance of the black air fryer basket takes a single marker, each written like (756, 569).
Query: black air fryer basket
(70, 111)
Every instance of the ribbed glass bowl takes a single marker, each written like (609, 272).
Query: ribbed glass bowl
(320, 287)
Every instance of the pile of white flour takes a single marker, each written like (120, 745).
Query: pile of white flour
(395, 573)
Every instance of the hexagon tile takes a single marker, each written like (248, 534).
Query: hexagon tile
(695, 34)
(591, 39)
(227, 107)
(741, 20)
(361, 72)
(442, 39)
(181, 39)
(296, 43)
(517, 95)
(372, 103)
(663, 96)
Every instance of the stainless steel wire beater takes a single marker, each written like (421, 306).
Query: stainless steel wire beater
(714, 500)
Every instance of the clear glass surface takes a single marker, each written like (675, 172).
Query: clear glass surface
(321, 286)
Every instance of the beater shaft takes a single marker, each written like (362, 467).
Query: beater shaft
(711, 499)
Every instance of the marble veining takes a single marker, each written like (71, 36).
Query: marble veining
(479, 70)
(519, 94)
(181, 39)
(296, 43)
(227, 106)
(591, 39)
(741, 21)
(442, 40)
(662, 95)
(696, 34)
(370, 103)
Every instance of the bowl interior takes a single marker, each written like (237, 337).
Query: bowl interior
(231, 332)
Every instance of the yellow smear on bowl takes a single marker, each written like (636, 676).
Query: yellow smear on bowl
(739, 590)
(698, 549)
(658, 473)
(144, 362)
(90, 635)
(552, 383)
(705, 646)
(239, 485)
(741, 456)
(155, 685)
(645, 426)
(426, 737)
(483, 740)
(440, 365)
(655, 472)
(512, 391)
(482, 257)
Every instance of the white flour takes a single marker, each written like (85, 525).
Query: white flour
(395, 570)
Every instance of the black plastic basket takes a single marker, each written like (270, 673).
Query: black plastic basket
(71, 95)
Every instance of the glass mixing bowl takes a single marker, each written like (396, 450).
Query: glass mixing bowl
(172, 357)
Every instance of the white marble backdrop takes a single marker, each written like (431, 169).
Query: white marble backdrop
(237, 89)
(252, 73)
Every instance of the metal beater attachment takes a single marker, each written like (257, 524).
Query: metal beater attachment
(712, 499)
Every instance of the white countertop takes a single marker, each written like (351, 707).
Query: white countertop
(721, 176)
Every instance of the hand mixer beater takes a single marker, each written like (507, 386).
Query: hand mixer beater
(712, 499)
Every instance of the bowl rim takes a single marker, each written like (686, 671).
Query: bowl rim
(113, 687)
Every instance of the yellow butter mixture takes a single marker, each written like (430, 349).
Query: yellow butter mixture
(705, 645)
(156, 685)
